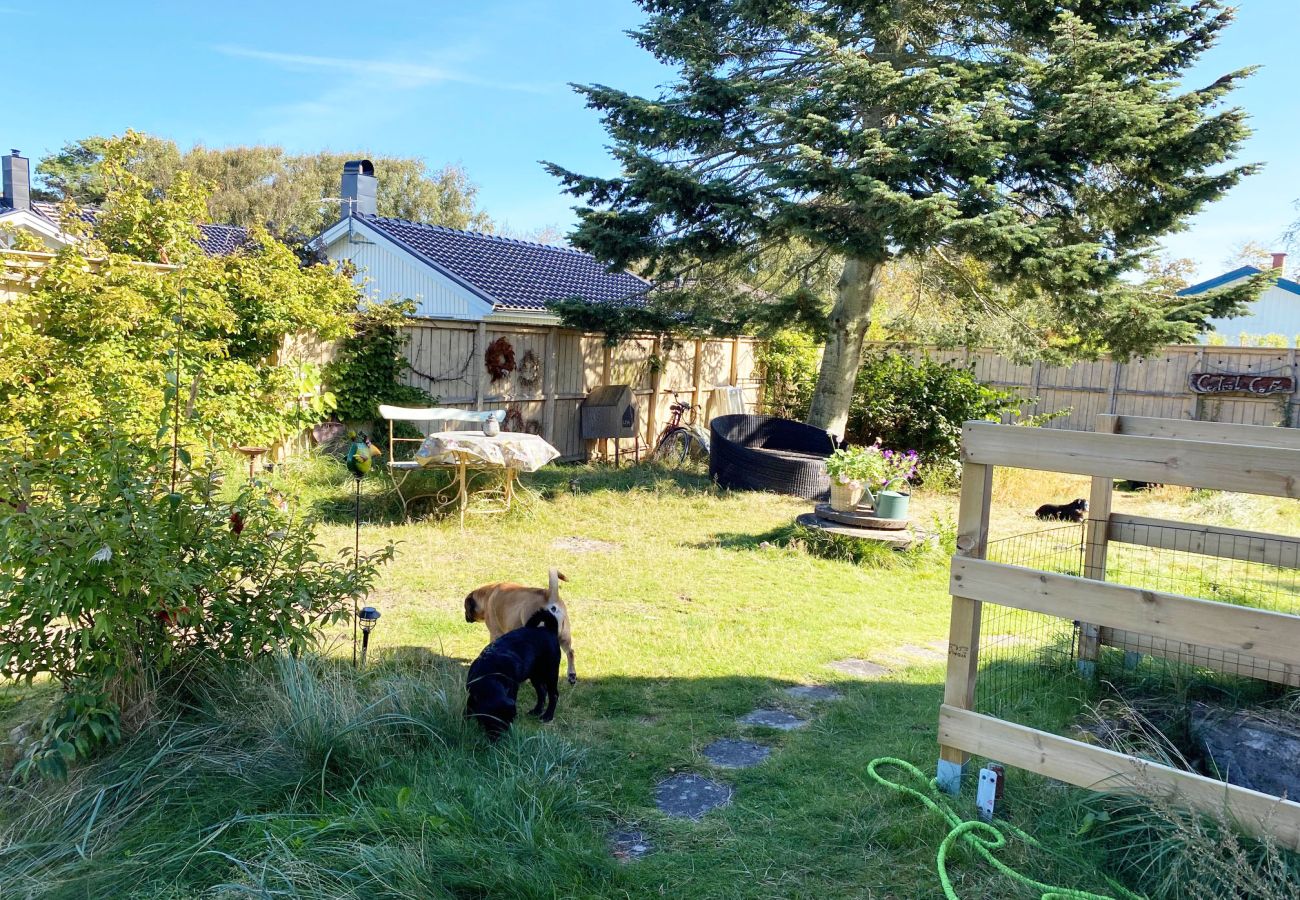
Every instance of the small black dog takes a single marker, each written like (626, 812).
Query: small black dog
(531, 653)
(1066, 512)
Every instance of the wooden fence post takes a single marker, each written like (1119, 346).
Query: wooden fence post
(656, 381)
(477, 364)
(964, 628)
(548, 384)
(1095, 543)
(696, 371)
(734, 377)
(606, 368)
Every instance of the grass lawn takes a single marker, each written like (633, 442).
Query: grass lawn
(690, 608)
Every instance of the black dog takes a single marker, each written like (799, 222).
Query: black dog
(531, 653)
(1066, 512)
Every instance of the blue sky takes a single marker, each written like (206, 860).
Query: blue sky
(480, 83)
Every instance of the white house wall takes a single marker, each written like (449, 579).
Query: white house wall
(1277, 311)
(387, 274)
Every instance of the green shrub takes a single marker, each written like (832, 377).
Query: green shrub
(99, 333)
(908, 404)
(789, 361)
(366, 371)
(920, 404)
(118, 567)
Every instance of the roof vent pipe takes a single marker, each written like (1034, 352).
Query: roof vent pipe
(359, 189)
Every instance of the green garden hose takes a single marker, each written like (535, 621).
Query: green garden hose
(983, 836)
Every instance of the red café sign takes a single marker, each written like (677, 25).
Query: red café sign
(1223, 383)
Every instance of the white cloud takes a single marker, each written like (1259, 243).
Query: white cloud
(356, 97)
(394, 74)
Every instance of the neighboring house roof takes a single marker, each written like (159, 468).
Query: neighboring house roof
(215, 240)
(509, 273)
(1285, 284)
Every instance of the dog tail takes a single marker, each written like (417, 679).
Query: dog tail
(556, 577)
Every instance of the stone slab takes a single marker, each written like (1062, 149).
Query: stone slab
(814, 692)
(859, 668)
(773, 718)
(628, 845)
(687, 796)
(733, 754)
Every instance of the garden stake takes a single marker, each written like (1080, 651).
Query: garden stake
(360, 459)
(356, 562)
(984, 837)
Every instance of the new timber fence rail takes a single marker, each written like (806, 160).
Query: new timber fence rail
(1229, 458)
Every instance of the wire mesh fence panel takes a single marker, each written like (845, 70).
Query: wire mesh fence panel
(1212, 564)
(1026, 658)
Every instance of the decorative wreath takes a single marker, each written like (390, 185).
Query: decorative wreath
(499, 359)
(530, 370)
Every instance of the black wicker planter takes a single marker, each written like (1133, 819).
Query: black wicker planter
(764, 453)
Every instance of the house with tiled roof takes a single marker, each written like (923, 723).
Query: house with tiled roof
(44, 220)
(463, 275)
(1275, 311)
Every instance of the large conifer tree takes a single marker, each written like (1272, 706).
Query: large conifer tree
(1052, 140)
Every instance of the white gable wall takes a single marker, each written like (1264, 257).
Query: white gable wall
(387, 272)
(1277, 311)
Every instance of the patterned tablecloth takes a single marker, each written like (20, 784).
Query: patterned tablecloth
(507, 450)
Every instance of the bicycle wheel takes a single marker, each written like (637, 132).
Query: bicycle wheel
(674, 448)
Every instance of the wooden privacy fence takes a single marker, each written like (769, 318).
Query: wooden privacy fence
(1165, 452)
(1151, 386)
(557, 368)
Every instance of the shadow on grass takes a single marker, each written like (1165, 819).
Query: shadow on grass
(823, 545)
(324, 486)
(573, 478)
(375, 786)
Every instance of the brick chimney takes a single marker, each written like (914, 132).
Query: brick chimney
(359, 189)
(15, 176)
(1279, 260)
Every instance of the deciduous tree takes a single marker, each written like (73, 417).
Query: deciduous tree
(292, 194)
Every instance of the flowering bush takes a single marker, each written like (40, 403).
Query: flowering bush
(899, 465)
(118, 567)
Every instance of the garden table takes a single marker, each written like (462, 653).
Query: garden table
(471, 455)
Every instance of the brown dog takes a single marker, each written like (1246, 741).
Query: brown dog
(505, 606)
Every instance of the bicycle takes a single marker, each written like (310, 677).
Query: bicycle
(679, 442)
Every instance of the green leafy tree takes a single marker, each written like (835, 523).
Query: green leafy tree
(115, 317)
(1052, 143)
(264, 185)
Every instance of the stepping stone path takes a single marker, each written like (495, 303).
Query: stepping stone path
(690, 796)
(814, 692)
(629, 845)
(773, 718)
(859, 668)
(731, 754)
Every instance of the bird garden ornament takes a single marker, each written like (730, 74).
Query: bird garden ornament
(361, 456)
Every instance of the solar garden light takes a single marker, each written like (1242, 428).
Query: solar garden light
(368, 618)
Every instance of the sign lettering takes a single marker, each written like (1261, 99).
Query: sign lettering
(1225, 383)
